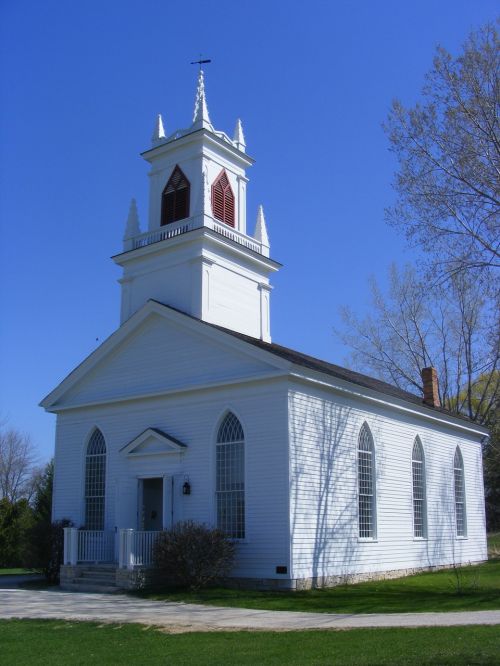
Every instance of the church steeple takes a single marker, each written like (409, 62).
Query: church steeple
(201, 119)
(197, 255)
(159, 131)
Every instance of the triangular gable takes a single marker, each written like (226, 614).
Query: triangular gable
(158, 350)
(152, 442)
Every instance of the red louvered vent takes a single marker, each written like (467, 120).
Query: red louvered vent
(175, 198)
(223, 200)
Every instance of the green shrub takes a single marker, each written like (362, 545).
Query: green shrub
(194, 555)
(16, 519)
(45, 549)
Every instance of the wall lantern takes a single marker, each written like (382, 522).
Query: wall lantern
(186, 488)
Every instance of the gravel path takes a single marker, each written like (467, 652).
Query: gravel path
(54, 604)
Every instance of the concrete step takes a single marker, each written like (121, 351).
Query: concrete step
(98, 567)
(82, 580)
(98, 574)
(88, 587)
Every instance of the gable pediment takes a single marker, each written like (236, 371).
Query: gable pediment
(152, 442)
(158, 351)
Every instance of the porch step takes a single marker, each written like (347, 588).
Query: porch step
(90, 587)
(92, 578)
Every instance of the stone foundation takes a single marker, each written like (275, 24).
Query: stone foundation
(150, 578)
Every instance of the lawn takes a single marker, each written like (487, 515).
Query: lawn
(16, 571)
(436, 591)
(494, 544)
(37, 642)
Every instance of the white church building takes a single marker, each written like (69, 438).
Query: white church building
(189, 411)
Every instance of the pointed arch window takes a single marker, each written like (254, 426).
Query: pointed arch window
(419, 497)
(459, 488)
(223, 199)
(366, 484)
(230, 477)
(95, 481)
(175, 198)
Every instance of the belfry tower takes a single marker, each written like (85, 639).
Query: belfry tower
(197, 255)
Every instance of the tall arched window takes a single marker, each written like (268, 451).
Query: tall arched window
(366, 484)
(230, 477)
(95, 481)
(223, 199)
(175, 198)
(459, 486)
(419, 500)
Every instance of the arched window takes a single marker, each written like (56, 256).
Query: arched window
(223, 199)
(175, 198)
(419, 500)
(366, 484)
(459, 485)
(230, 481)
(95, 481)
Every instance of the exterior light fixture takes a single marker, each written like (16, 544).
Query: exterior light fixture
(186, 488)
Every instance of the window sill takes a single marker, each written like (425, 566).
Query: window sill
(368, 539)
(461, 538)
(419, 538)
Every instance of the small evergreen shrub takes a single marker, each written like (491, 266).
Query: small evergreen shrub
(193, 555)
(46, 547)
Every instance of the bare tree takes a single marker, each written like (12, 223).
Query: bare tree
(448, 150)
(453, 328)
(18, 470)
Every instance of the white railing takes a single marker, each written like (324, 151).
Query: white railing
(96, 546)
(170, 231)
(143, 547)
(235, 235)
(88, 546)
(183, 226)
(136, 548)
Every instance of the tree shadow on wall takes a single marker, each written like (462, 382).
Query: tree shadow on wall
(324, 490)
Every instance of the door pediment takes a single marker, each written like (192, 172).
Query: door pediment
(152, 442)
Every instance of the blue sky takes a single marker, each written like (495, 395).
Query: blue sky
(81, 83)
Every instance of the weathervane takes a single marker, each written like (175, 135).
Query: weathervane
(200, 62)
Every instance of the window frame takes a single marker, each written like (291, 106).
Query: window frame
(242, 538)
(374, 533)
(424, 535)
(224, 219)
(96, 431)
(163, 216)
(463, 503)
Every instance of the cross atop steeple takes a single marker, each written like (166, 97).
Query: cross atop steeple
(201, 119)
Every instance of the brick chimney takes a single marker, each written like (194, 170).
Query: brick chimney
(431, 388)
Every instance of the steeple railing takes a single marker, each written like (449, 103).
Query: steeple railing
(189, 224)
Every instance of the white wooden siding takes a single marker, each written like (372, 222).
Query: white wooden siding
(193, 419)
(161, 356)
(323, 479)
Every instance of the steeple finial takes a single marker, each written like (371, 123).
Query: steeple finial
(200, 116)
(132, 228)
(239, 137)
(260, 234)
(159, 131)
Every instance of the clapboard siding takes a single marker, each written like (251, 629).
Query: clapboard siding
(323, 477)
(193, 420)
(160, 356)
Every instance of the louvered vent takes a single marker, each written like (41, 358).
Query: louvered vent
(223, 200)
(175, 198)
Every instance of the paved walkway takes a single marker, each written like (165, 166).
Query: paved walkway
(54, 604)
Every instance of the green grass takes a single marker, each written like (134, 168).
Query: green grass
(16, 571)
(494, 544)
(37, 642)
(423, 592)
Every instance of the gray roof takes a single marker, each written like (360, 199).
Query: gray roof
(337, 371)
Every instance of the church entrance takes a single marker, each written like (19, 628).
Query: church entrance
(152, 504)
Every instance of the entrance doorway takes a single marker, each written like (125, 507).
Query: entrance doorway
(152, 504)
